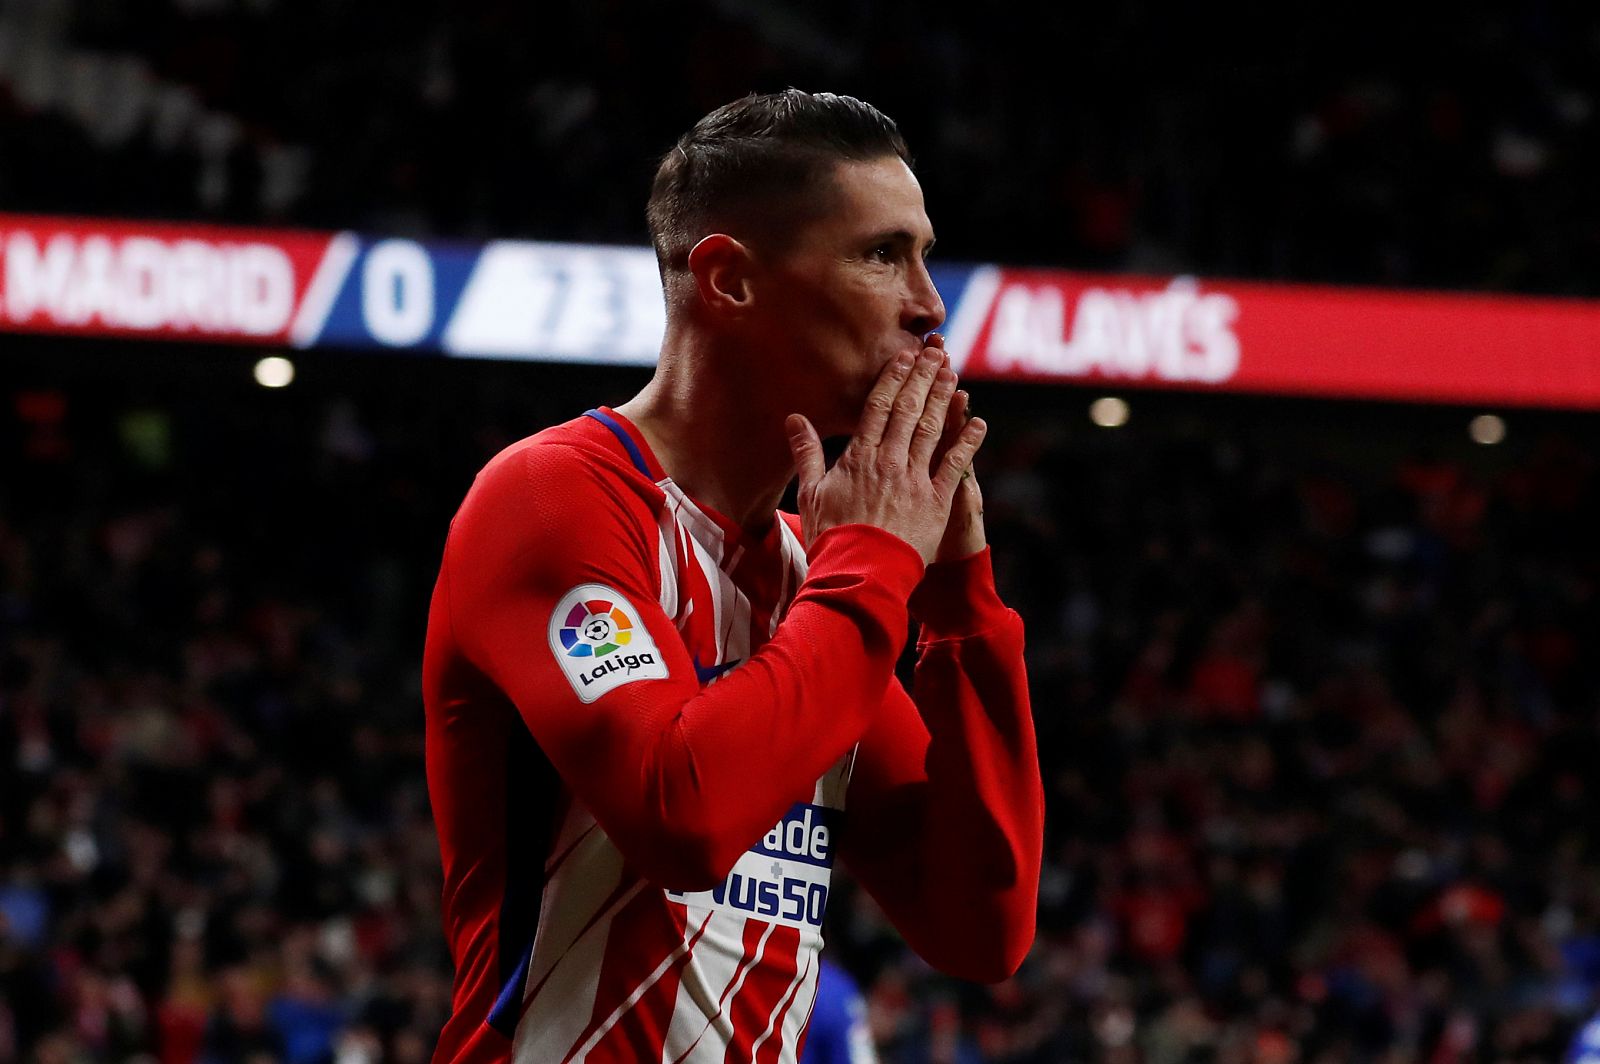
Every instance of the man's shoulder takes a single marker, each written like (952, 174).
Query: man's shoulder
(563, 491)
(567, 456)
(564, 481)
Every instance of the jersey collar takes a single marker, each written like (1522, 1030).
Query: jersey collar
(644, 460)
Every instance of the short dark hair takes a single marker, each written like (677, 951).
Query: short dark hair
(760, 159)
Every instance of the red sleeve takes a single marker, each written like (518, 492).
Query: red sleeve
(946, 808)
(683, 779)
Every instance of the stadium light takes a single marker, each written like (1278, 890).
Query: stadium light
(1487, 429)
(1109, 412)
(274, 371)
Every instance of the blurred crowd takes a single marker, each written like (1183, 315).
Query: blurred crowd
(1356, 143)
(1319, 733)
(215, 842)
(1317, 724)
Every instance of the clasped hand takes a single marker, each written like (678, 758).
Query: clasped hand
(907, 469)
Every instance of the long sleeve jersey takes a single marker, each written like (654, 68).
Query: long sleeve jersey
(644, 728)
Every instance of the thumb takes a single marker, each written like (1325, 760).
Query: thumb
(806, 447)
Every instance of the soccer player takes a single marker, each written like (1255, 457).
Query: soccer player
(658, 710)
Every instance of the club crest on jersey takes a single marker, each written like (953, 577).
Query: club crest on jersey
(599, 642)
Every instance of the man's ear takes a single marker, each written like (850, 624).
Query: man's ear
(722, 268)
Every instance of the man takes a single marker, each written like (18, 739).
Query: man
(657, 709)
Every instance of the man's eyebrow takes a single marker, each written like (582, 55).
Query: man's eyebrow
(902, 236)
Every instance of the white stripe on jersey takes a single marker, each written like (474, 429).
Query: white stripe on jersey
(799, 1014)
(700, 996)
(569, 947)
(695, 521)
(666, 552)
(560, 1010)
(719, 606)
(793, 553)
(784, 1003)
(731, 616)
(735, 637)
(638, 992)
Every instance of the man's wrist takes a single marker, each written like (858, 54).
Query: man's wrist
(958, 597)
(871, 550)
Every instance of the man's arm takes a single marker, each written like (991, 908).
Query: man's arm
(945, 826)
(683, 779)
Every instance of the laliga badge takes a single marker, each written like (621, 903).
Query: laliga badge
(600, 642)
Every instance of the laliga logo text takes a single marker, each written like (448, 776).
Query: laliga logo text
(624, 663)
(1175, 334)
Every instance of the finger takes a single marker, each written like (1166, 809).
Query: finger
(934, 340)
(931, 425)
(955, 419)
(806, 447)
(908, 405)
(880, 401)
(967, 490)
(959, 458)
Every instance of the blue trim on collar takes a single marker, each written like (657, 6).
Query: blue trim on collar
(627, 441)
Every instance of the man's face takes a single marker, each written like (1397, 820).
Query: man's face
(850, 291)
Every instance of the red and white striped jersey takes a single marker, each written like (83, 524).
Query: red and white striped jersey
(642, 726)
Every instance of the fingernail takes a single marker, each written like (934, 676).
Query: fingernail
(904, 360)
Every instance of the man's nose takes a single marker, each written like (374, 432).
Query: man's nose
(924, 311)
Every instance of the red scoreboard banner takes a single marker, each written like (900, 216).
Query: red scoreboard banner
(1298, 339)
(154, 280)
(583, 303)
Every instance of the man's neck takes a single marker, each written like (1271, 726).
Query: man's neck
(714, 438)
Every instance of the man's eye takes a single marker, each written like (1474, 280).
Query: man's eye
(882, 253)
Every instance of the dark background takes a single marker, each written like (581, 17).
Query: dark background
(1421, 145)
